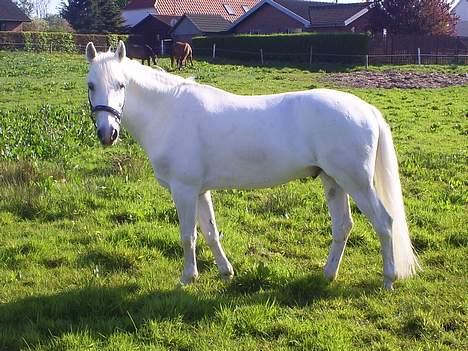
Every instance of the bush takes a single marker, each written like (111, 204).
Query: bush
(57, 41)
(296, 47)
(49, 41)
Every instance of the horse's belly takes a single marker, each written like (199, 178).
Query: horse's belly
(256, 176)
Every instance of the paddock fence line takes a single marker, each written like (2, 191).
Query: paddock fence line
(261, 57)
(163, 47)
(312, 57)
(51, 47)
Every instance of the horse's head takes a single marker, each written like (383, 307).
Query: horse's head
(106, 91)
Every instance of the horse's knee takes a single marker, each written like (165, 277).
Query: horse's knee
(346, 226)
(383, 226)
(342, 229)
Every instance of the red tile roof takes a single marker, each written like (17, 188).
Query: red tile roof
(207, 7)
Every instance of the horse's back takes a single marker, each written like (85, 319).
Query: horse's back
(265, 140)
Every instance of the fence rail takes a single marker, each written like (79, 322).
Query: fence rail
(311, 56)
(261, 56)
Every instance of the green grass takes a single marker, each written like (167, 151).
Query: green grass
(89, 250)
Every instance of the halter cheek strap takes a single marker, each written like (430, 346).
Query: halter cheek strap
(117, 114)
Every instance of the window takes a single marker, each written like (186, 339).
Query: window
(245, 8)
(229, 9)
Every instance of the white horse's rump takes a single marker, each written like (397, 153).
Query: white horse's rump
(200, 138)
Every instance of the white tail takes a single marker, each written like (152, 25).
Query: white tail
(387, 184)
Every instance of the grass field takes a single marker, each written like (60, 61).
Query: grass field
(89, 251)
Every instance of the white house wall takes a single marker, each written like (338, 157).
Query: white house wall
(133, 17)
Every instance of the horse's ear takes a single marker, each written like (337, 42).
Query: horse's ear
(109, 49)
(90, 52)
(121, 52)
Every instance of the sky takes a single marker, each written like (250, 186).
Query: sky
(55, 4)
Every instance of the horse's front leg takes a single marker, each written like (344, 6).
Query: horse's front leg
(207, 222)
(186, 200)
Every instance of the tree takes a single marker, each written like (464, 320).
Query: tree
(121, 3)
(78, 14)
(26, 6)
(109, 17)
(58, 24)
(422, 17)
(41, 8)
(93, 16)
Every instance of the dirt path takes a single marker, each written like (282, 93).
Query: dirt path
(396, 79)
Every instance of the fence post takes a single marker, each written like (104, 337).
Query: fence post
(214, 51)
(419, 56)
(367, 62)
(261, 56)
(310, 56)
(50, 47)
(162, 48)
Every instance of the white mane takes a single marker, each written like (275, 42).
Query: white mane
(142, 76)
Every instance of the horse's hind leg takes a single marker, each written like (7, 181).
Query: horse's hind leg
(207, 222)
(370, 205)
(340, 213)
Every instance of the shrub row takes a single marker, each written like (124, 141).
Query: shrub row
(296, 47)
(56, 41)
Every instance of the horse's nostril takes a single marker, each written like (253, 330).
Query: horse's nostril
(114, 135)
(99, 134)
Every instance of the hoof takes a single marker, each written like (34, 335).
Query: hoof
(388, 284)
(188, 279)
(227, 276)
(227, 272)
(330, 275)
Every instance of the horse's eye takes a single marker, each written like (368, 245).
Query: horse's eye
(121, 85)
(91, 86)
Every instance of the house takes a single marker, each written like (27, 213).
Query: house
(460, 8)
(231, 10)
(11, 17)
(191, 25)
(285, 16)
(154, 28)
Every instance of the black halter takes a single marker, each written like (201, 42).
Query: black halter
(117, 114)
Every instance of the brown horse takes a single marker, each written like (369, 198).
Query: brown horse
(181, 53)
(142, 52)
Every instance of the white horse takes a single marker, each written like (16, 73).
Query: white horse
(200, 138)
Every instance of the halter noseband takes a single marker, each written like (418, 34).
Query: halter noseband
(117, 114)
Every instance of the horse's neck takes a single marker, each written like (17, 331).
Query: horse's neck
(149, 98)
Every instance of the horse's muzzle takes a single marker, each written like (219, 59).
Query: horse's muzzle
(107, 136)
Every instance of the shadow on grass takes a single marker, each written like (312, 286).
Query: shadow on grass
(100, 311)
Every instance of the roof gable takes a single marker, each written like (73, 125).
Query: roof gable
(276, 5)
(301, 8)
(337, 15)
(313, 13)
(10, 12)
(209, 23)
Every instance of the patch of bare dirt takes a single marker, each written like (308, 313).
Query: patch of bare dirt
(396, 79)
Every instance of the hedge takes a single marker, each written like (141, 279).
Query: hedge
(56, 41)
(297, 47)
